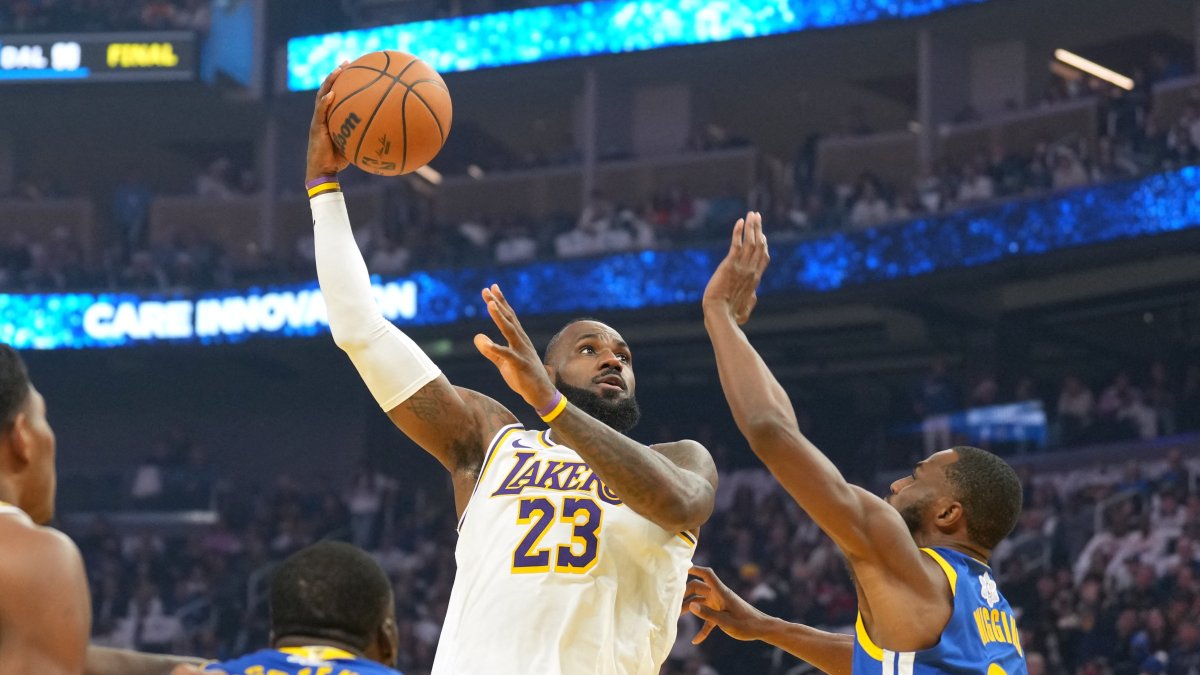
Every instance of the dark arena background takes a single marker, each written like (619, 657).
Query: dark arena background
(985, 228)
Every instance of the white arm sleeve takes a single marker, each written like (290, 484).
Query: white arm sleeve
(390, 363)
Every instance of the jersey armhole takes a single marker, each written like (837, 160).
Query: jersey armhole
(493, 447)
(947, 568)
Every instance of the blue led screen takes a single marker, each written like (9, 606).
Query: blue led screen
(588, 29)
(1164, 203)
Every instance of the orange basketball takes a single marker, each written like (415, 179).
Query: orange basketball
(391, 113)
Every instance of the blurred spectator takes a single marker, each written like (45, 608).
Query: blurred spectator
(131, 211)
(869, 208)
(214, 180)
(934, 400)
(1075, 405)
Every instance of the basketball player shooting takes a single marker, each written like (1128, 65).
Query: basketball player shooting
(574, 541)
(928, 602)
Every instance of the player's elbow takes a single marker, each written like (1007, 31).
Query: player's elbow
(353, 336)
(682, 512)
(767, 429)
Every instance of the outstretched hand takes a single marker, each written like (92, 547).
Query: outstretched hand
(732, 288)
(518, 361)
(323, 158)
(711, 600)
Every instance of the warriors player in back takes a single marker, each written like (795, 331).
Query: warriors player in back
(928, 602)
(332, 613)
(574, 542)
(45, 614)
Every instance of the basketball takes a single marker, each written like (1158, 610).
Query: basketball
(391, 113)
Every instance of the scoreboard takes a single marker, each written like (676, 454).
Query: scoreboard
(98, 57)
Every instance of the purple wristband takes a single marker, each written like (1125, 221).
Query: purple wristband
(552, 405)
(319, 180)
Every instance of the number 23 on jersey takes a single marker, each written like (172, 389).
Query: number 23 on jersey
(540, 513)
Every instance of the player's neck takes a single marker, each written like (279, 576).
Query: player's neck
(939, 540)
(301, 641)
(9, 493)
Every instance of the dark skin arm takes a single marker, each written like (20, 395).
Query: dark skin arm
(106, 661)
(45, 608)
(897, 583)
(673, 484)
(711, 600)
(451, 423)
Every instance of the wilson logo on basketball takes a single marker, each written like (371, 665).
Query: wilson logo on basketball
(344, 132)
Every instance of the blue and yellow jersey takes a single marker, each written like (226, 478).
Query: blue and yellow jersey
(302, 661)
(981, 637)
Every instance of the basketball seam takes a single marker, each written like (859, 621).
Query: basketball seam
(438, 122)
(367, 126)
(363, 88)
(404, 124)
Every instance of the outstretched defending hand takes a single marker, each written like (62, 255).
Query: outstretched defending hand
(732, 287)
(518, 362)
(323, 158)
(711, 600)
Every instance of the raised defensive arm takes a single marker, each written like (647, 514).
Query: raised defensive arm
(861, 524)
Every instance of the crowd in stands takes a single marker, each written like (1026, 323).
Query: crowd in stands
(1132, 404)
(1133, 140)
(65, 16)
(1103, 568)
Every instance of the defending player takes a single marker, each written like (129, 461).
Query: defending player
(332, 611)
(45, 611)
(574, 542)
(927, 600)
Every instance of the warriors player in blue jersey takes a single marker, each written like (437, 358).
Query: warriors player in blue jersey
(574, 539)
(928, 602)
(332, 613)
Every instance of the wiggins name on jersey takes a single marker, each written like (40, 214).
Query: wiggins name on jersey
(980, 638)
(555, 575)
(302, 661)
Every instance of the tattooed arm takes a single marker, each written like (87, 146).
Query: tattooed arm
(673, 484)
(451, 423)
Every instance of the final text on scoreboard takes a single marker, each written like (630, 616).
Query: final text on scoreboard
(98, 57)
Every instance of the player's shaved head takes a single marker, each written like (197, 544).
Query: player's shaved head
(333, 591)
(989, 491)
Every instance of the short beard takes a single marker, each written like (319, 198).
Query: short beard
(913, 514)
(622, 414)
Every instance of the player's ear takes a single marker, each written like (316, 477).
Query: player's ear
(389, 641)
(949, 515)
(20, 437)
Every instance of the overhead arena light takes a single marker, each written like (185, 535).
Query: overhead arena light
(430, 174)
(1094, 69)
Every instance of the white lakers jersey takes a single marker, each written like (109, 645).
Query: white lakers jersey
(555, 575)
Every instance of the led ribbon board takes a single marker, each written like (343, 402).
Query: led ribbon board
(98, 57)
(1164, 203)
(588, 29)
